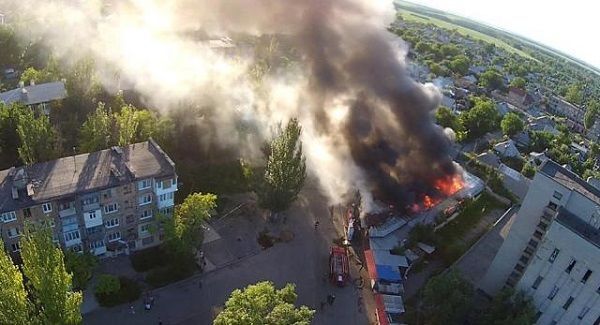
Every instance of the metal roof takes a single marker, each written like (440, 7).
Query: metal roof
(35, 94)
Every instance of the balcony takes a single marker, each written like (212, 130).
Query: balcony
(92, 218)
(67, 212)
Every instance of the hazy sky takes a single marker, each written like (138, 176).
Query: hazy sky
(571, 26)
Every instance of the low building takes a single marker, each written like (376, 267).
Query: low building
(551, 249)
(41, 96)
(106, 202)
(519, 98)
(542, 123)
(507, 149)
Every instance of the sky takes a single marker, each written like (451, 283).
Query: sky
(569, 26)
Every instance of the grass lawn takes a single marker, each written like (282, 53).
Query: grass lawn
(420, 18)
(468, 218)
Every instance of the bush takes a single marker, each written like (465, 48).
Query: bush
(165, 275)
(128, 291)
(148, 259)
(81, 266)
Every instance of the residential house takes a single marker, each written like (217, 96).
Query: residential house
(542, 123)
(507, 149)
(551, 249)
(104, 202)
(574, 114)
(40, 96)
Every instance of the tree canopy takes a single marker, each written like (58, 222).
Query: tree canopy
(15, 307)
(509, 308)
(48, 280)
(460, 64)
(445, 118)
(39, 141)
(262, 303)
(447, 299)
(491, 79)
(574, 94)
(518, 82)
(285, 171)
(511, 124)
(483, 117)
(591, 113)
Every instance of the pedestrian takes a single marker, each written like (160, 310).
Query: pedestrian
(329, 299)
(332, 298)
(316, 224)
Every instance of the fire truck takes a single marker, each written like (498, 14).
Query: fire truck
(339, 268)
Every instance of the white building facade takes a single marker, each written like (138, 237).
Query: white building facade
(552, 249)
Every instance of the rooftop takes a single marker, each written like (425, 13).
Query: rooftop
(81, 174)
(35, 94)
(578, 226)
(570, 180)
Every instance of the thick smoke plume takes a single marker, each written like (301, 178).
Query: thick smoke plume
(367, 125)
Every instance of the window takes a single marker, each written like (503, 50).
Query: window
(66, 205)
(146, 214)
(126, 189)
(537, 234)
(586, 276)
(111, 223)
(15, 247)
(167, 211)
(537, 281)
(91, 214)
(553, 206)
(89, 200)
(583, 312)
(568, 303)
(114, 236)
(519, 268)
(96, 244)
(111, 208)
(533, 243)
(9, 216)
(557, 195)
(47, 207)
(553, 293)
(145, 228)
(144, 184)
(553, 255)
(13, 232)
(145, 199)
(72, 235)
(107, 194)
(94, 230)
(166, 196)
(571, 266)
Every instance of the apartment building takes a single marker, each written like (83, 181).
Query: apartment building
(104, 202)
(551, 249)
(574, 114)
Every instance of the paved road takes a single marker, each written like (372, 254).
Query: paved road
(302, 261)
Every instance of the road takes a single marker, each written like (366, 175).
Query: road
(303, 261)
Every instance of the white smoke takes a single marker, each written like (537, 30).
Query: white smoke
(148, 44)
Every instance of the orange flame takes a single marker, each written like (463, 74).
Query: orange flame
(450, 185)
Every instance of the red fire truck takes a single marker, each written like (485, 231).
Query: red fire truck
(339, 269)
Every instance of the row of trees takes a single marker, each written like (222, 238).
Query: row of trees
(46, 296)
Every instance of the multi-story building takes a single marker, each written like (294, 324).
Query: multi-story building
(106, 202)
(551, 249)
(574, 114)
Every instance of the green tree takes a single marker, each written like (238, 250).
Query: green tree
(591, 113)
(574, 94)
(81, 267)
(460, 64)
(262, 303)
(511, 124)
(285, 171)
(9, 137)
(39, 141)
(528, 170)
(11, 50)
(128, 125)
(447, 299)
(97, 131)
(518, 82)
(48, 280)
(540, 140)
(483, 117)
(448, 50)
(184, 231)
(438, 69)
(445, 118)
(491, 79)
(509, 308)
(38, 76)
(15, 307)
(107, 285)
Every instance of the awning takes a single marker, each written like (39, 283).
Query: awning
(371, 264)
(380, 310)
(388, 273)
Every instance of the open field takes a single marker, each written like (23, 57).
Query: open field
(421, 18)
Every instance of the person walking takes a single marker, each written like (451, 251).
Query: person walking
(316, 224)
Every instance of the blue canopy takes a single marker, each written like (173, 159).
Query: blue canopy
(388, 273)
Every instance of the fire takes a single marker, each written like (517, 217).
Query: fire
(450, 185)
(428, 202)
